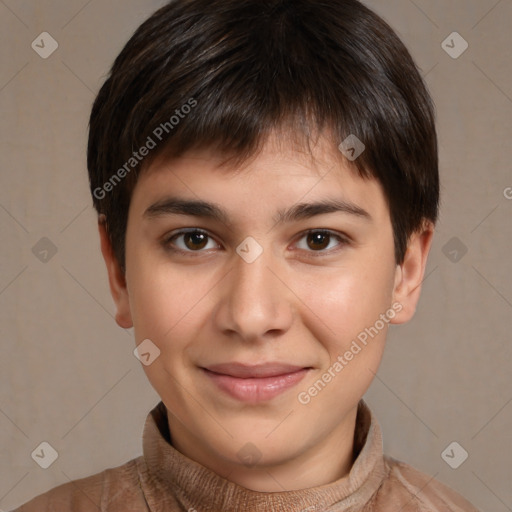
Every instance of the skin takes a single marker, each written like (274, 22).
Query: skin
(302, 301)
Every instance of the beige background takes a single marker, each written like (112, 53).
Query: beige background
(68, 375)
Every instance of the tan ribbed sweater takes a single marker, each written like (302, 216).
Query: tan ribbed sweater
(164, 480)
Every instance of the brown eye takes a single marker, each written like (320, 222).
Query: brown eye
(195, 240)
(190, 241)
(318, 240)
(322, 242)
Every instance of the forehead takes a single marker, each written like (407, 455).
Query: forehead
(281, 172)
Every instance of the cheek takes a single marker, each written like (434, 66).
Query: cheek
(163, 300)
(352, 333)
(170, 303)
(166, 309)
(348, 300)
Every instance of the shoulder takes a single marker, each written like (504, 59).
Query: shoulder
(415, 491)
(102, 491)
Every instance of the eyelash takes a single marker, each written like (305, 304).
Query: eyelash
(343, 241)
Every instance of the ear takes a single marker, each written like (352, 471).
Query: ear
(409, 275)
(116, 277)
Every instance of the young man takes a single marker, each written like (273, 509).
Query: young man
(266, 178)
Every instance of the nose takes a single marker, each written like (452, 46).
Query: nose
(255, 303)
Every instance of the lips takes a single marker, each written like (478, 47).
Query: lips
(255, 383)
(244, 371)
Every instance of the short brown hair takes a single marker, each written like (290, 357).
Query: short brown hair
(247, 67)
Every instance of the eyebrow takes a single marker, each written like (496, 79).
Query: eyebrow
(204, 209)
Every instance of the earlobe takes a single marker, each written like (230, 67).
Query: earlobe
(409, 275)
(116, 277)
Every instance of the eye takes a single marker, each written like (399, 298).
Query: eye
(197, 240)
(193, 240)
(320, 240)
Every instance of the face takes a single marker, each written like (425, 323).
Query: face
(268, 300)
